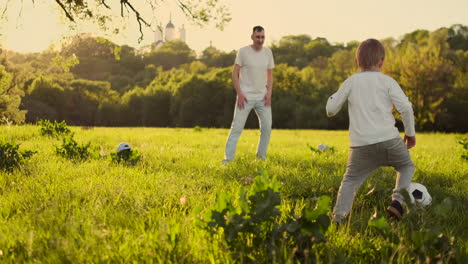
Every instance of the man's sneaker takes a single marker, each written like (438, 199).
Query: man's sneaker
(395, 209)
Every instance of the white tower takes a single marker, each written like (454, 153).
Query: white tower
(158, 36)
(182, 34)
(170, 30)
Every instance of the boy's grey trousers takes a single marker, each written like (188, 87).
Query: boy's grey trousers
(362, 161)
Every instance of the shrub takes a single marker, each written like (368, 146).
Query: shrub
(464, 143)
(54, 129)
(70, 149)
(126, 156)
(253, 227)
(11, 157)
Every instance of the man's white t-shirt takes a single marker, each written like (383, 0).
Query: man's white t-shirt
(253, 75)
(371, 97)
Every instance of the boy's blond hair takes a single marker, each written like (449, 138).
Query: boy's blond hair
(369, 53)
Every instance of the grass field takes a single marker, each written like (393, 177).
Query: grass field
(57, 210)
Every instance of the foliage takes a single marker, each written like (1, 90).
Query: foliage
(11, 157)
(126, 156)
(426, 244)
(170, 86)
(10, 98)
(70, 149)
(464, 143)
(53, 129)
(95, 211)
(252, 229)
(213, 57)
(106, 14)
(171, 54)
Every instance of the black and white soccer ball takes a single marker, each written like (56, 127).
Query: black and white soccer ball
(323, 147)
(419, 195)
(123, 146)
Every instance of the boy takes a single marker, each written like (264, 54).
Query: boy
(375, 141)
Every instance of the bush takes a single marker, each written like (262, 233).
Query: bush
(252, 229)
(70, 149)
(464, 143)
(11, 158)
(54, 129)
(126, 156)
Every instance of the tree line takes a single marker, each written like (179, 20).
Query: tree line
(91, 81)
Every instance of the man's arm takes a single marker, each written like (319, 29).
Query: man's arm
(269, 87)
(241, 100)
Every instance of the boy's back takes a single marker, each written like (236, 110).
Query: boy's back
(371, 96)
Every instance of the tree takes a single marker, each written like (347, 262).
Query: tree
(291, 50)
(45, 100)
(133, 107)
(10, 99)
(97, 56)
(212, 57)
(83, 99)
(156, 108)
(105, 12)
(458, 37)
(171, 54)
(318, 47)
(454, 118)
(195, 100)
(426, 74)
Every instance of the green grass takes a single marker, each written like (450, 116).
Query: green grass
(58, 210)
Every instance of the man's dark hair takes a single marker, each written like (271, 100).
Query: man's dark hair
(258, 29)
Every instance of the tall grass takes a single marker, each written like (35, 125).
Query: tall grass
(59, 210)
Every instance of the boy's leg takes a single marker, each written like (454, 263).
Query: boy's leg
(398, 157)
(238, 123)
(264, 119)
(361, 162)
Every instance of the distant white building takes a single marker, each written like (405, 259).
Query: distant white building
(162, 35)
(169, 33)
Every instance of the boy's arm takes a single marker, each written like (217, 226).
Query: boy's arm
(336, 101)
(403, 106)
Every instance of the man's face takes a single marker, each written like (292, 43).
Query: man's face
(258, 38)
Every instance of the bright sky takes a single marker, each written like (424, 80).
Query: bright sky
(42, 24)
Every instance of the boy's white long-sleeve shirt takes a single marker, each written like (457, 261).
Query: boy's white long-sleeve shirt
(371, 97)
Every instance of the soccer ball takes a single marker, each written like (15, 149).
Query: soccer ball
(322, 147)
(419, 194)
(123, 146)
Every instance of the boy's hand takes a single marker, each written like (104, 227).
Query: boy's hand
(410, 141)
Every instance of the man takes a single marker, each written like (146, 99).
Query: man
(253, 79)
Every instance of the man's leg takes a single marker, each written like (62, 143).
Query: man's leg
(361, 162)
(238, 123)
(264, 119)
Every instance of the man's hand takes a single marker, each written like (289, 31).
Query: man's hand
(410, 141)
(241, 100)
(267, 99)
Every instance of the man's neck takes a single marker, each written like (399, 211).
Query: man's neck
(257, 48)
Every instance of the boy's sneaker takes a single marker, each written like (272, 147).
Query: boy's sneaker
(395, 209)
